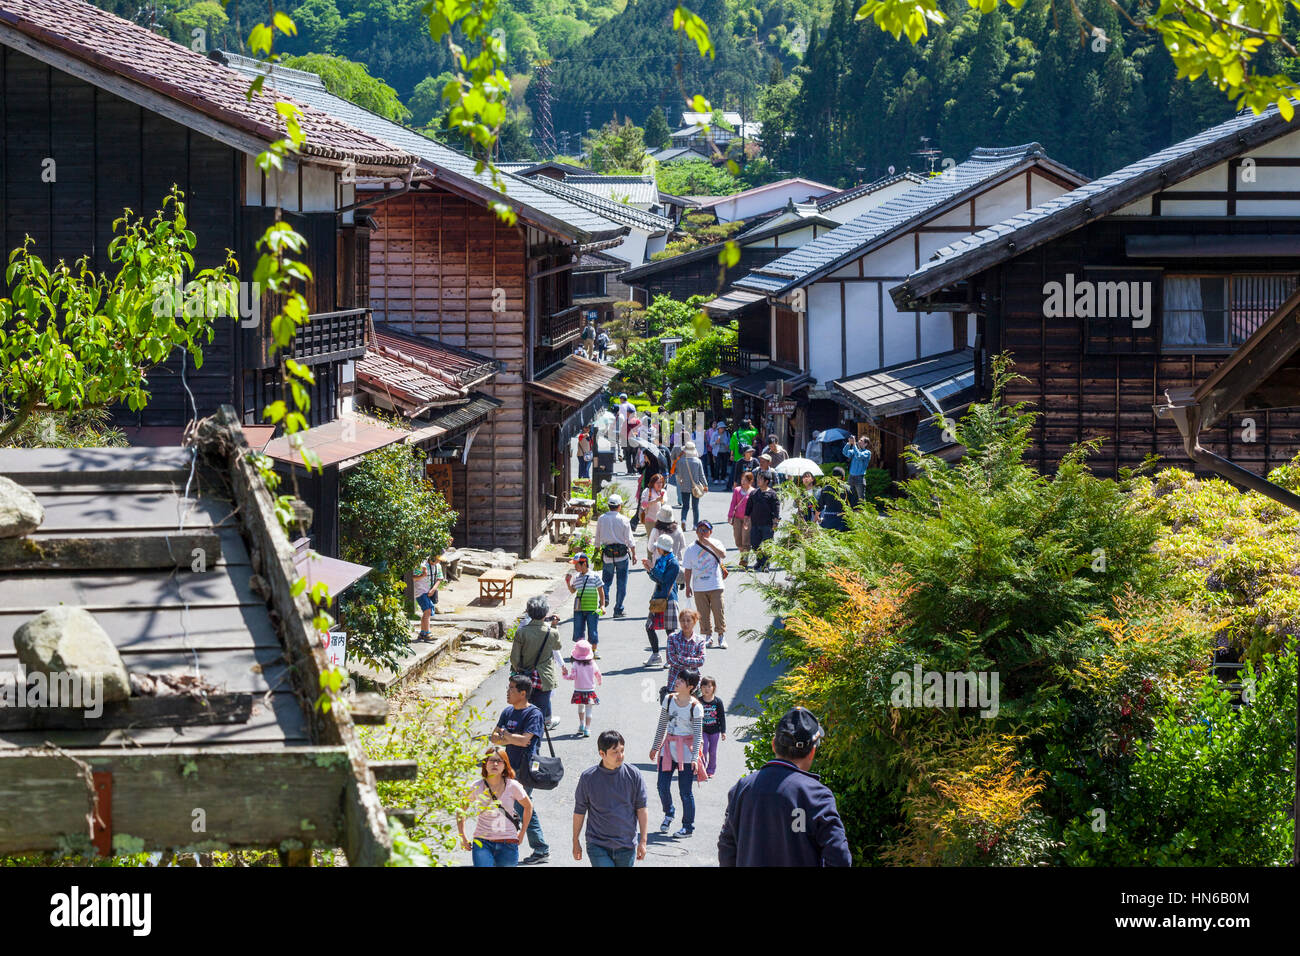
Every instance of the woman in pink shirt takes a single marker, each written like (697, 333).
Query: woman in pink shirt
(736, 515)
(498, 831)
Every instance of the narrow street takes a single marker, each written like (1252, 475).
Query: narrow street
(629, 705)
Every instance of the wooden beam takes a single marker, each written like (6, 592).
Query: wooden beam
(388, 770)
(137, 712)
(369, 709)
(206, 798)
(93, 552)
(366, 840)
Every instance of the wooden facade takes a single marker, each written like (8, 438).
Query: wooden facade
(74, 156)
(435, 260)
(1099, 379)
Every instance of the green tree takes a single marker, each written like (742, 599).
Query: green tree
(658, 135)
(617, 146)
(426, 103)
(390, 518)
(696, 178)
(698, 358)
(353, 82)
(72, 339)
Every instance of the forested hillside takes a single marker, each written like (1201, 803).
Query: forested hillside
(839, 100)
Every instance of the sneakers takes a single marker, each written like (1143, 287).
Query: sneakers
(579, 731)
(422, 636)
(722, 642)
(619, 612)
(653, 661)
(666, 825)
(586, 731)
(553, 723)
(535, 858)
(684, 832)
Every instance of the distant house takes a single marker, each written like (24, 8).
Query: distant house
(548, 168)
(638, 191)
(98, 114)
(1137, 290)
(698, 128)
(444, 268)
(762, 201)
(829, 318)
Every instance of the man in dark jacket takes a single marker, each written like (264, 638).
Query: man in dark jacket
(764, 512)
(783, 815)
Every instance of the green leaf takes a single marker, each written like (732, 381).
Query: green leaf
(259, 40)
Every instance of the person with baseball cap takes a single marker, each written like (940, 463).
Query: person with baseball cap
(782, 814)
(617, 550)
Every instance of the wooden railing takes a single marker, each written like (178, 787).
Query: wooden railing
(331, 337)
(738, 361)
(561, 327)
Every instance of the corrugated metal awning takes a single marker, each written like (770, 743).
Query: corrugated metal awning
(755, 383)
(337, 441)
(573, 381)
(733, 301)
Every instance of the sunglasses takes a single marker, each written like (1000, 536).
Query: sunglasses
(494, 760)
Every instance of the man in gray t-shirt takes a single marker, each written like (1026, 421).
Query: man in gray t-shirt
(613, 795)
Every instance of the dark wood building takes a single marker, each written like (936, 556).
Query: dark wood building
(1135, 286)
(98, 115)
(443, 266)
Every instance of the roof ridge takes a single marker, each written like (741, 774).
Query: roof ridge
(269, 68)
(983, 153)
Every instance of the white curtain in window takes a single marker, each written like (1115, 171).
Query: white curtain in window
(1184, 313)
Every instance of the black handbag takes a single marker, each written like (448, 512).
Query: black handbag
(545, 773)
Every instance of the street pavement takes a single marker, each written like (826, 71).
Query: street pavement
(629, 705)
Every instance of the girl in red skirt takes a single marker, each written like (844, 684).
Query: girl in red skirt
(585, 676)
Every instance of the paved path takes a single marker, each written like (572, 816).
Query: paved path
(628, 705)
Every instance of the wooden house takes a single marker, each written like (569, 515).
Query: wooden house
(443, 266)
(98, 115)
(238, 758)
(1134, 287)
(829, 318)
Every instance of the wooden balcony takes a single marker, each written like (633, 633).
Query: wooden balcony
(561, 328)
(738, 361)
(331, 337)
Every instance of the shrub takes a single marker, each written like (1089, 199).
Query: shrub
(390, 518)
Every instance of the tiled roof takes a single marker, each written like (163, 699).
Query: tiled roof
(451, 165)
(616, 211)
(337, 441)
(633, 189)
(418, 375)
(675, 154)
(599, 262)
(858, 235)
(857, 192)
(130, 51)
(1096, 199)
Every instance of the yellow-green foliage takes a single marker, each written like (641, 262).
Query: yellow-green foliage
(1234, 553)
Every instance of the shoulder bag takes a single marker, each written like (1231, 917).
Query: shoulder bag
(531, 673)
(545, 773)
(698, 488)
(501, 806)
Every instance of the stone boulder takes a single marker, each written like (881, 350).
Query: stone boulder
(70, 640)
(20, 512)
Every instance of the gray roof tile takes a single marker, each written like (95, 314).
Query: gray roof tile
(856, 236)
(305, 87)
(1094, 200)
(616, 211)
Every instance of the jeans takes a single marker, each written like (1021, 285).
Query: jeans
(608, 573)
(602, 856)
(584, 467)
(495, 852)
(858, 484)
(758, 533)
(535, 838)
(685, 781)
(541, 699)
(586, 621)
(710, 753)
(693, 504)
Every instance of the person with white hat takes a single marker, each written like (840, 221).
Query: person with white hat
(617, 550)
(663, 602)
(692, 482)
